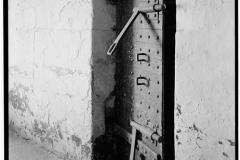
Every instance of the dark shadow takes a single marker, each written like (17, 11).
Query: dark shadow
(123, 75)
(6, 77)
(109, 146)
(124, 87)
(169, 30)
(236, 79)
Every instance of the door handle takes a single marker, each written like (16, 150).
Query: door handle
(143, 57)
(136, 11)
(143, 81)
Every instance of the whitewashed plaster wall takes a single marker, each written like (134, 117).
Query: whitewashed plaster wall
(59, 74)
(204, 80)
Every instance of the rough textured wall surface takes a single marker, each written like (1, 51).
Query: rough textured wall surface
(204, 92)
(52, 81)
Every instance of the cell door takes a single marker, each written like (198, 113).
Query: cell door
(138, 103)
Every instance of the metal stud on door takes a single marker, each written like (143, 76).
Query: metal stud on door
(138, 105)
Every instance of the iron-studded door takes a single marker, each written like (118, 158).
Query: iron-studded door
(138, 104)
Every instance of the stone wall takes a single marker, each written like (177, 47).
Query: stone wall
(59, 74)
(204, 80)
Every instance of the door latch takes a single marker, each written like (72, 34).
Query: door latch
(136, 11)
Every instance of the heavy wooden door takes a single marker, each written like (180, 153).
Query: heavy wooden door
(139, 79)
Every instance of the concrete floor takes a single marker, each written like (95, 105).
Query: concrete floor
(22, 149)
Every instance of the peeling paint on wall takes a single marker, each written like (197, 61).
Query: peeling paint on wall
(46, 132)
(76, 140)
(19, 100)
(56, 61)
(64, 71)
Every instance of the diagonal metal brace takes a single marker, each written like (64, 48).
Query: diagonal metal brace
(136, 11)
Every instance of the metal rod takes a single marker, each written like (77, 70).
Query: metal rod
(134, 132)
(155, 8)
(136, 11)
(125, 28)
